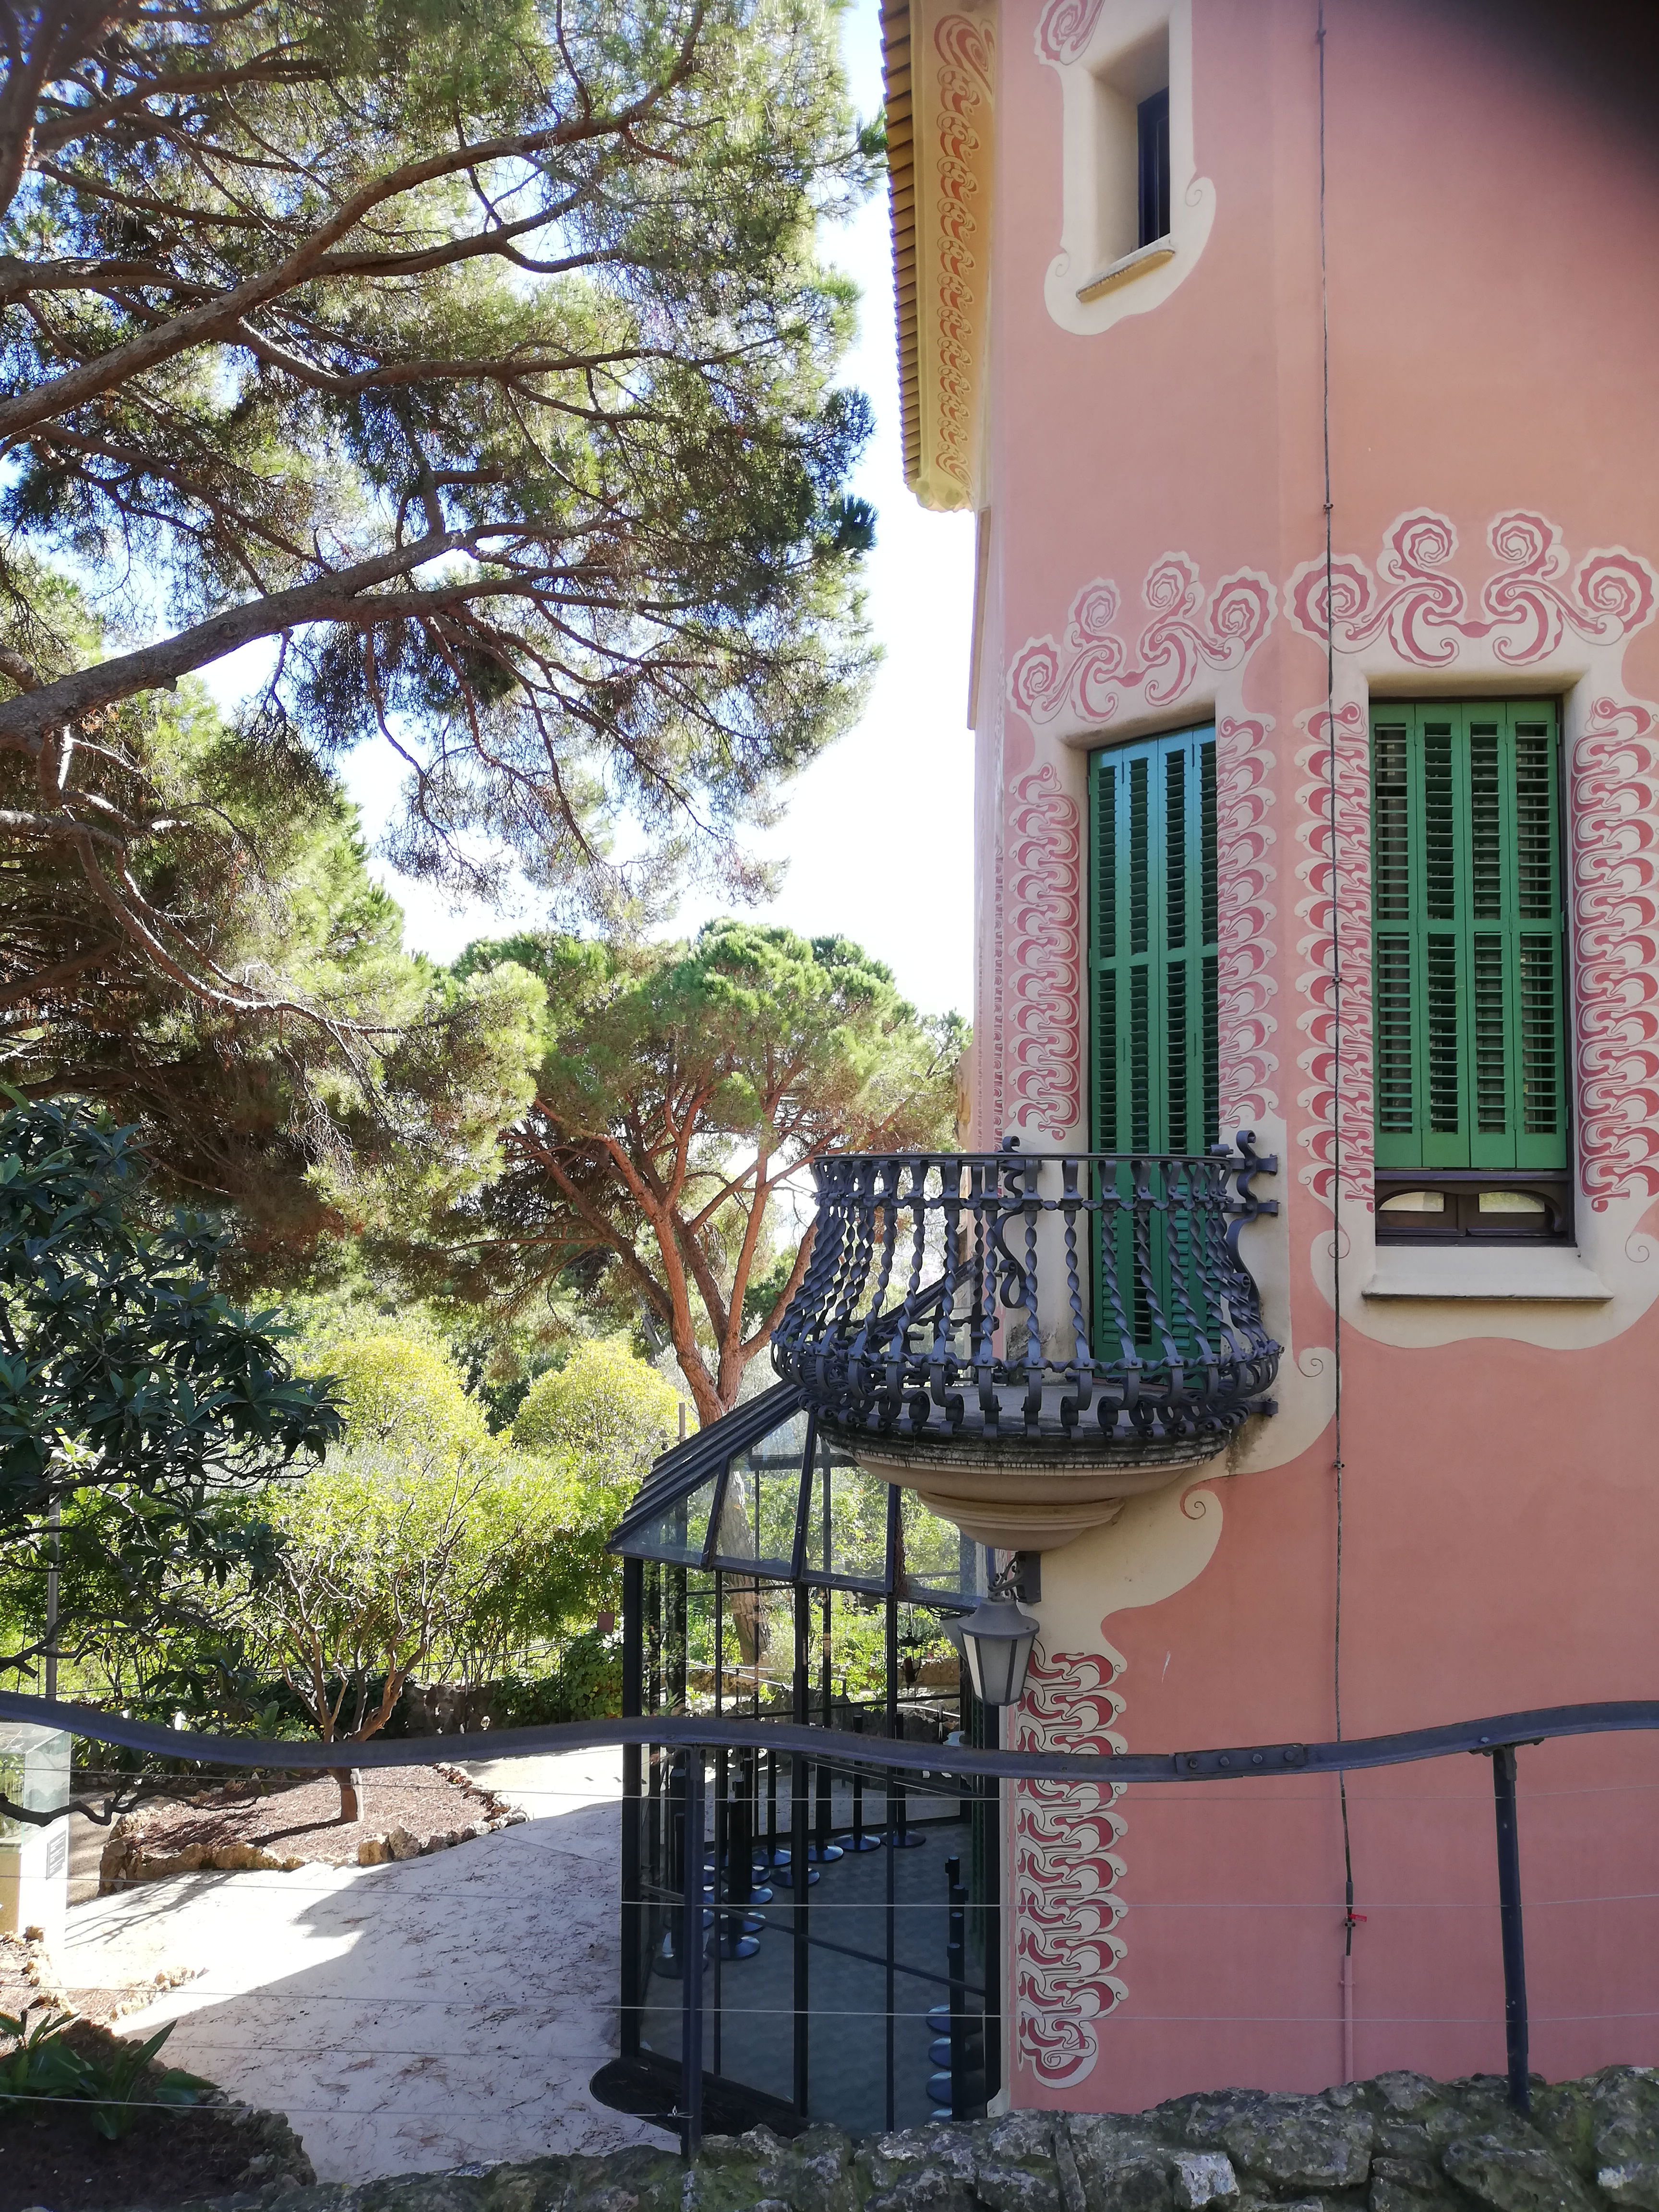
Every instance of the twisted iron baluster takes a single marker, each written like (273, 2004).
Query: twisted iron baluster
(941, 1362)
(1151, 1243)
(1081, 1372)
(986, 1191)
(908, 1373)
(1190, 1207)
(1032, 1208)
(865, 1365)
(1116, 1238)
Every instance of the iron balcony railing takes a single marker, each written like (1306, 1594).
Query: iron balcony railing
(1091, 1298)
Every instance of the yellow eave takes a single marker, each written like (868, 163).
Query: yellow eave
(938, 60)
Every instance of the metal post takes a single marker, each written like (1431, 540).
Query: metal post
(633, 1901)
(691, 1962)
(56, 1520)
(956, 1967)
(1509, 1908)
(801, 1874)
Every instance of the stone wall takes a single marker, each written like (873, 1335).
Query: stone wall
(1398, 2144)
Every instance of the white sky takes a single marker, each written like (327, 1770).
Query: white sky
(878, 837)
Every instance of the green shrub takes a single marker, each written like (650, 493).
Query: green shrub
(117, 2083)
(605, 1409)
(402, 1395)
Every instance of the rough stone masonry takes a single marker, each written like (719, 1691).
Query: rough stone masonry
(1401, 2144)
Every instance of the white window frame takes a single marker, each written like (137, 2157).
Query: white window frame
(1099, 275)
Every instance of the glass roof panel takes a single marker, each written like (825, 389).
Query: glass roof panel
(669, 1519)
(846, 1540)
(678, 1532)
(762, 1504)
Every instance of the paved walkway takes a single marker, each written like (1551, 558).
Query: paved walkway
(426, 2014)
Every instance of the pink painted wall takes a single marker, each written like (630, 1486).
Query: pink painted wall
(1493, 232)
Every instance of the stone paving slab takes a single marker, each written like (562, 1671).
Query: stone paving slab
(417, 2016)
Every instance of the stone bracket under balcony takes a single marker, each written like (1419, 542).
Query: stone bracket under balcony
(1027, 1340)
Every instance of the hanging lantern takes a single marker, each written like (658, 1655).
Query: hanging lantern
(996, 1640)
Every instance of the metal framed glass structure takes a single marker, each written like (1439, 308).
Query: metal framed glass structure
(850, 1939)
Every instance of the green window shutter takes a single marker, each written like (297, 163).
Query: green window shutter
(1153, 950)
(1468, 937)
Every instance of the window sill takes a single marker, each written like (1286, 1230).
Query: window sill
(1501, 1273)
(1132, 265)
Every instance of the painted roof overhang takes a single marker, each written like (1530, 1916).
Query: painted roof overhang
(940, 58)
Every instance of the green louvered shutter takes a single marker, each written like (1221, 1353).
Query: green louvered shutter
(1152, 945)
(1468, 937)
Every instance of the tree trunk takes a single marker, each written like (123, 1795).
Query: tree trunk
(350, 1779)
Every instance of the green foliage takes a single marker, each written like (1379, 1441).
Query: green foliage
(680, 1086)
(309, 1128)
(407, 1397)
(118, 2083)
(398, 1561)
(480, 355)
(605, 1408)
(137, 1405)
(586, 1684)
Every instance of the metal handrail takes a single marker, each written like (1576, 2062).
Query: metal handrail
(1498, 1737)
(1077, 1298)
(713, 1732)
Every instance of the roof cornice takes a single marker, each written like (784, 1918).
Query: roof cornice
(938, 58)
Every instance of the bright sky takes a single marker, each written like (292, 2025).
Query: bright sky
(879, 834)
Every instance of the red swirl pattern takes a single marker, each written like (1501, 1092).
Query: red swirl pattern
(1065, 28)
(1045, 895)
(1337, 1129)
(965, 50)
(1244, 874)
(1526, 608)
(1087, 673)
(1065, 1870)
(1615, 919)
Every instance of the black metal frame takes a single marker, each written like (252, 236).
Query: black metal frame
(937, 1280)
(700, 1948)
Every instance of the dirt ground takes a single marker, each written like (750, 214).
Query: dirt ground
(297, 1818)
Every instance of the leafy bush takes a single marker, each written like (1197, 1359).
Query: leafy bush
(403, 1395)
(605, 1409)
(118, 2083)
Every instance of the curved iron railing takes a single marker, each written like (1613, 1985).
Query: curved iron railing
(1080, 1299)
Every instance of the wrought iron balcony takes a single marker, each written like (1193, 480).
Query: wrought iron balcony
(1029, 1339)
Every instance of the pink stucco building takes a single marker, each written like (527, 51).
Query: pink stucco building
(1401, 279)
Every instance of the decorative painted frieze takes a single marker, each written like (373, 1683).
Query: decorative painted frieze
(1245, 909)
(1065, 28)
(1333, 984)
(1082, 679)
(1066, 1869)
(1426, 614)
(1045, 891)
(1615, 966)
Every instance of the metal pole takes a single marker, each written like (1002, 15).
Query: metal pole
(56, 1518)
(800, 1873)
(890, 1870)
(1509, 1908)
(691, 1962)
(632, 1904)
(955, 1957)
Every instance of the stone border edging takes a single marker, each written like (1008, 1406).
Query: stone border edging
(1399, 2143)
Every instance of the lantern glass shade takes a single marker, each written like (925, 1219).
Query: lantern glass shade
(996, 1640)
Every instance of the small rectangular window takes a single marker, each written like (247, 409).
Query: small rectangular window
(1152, 135)
(1469, 972)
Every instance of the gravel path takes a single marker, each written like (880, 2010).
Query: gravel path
(423, 2015)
